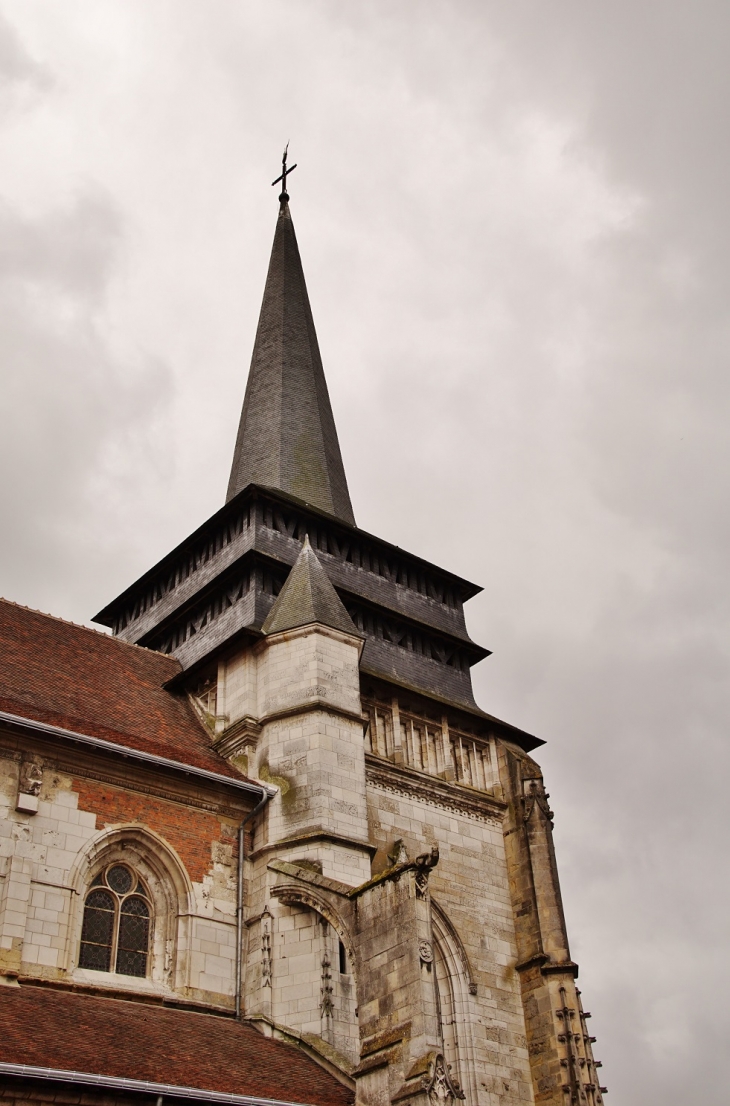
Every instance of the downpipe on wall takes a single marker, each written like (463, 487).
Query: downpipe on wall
(266, 794)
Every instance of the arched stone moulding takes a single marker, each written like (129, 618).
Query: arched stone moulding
(170, 889)
(291, 895)
(463, 988)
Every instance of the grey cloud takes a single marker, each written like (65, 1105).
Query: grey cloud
(68, 402)
(72, 250)
(19, 72)
(513, 223)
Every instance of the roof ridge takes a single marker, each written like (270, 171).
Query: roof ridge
(89, 629)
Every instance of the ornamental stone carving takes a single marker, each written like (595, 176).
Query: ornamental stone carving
(442, 1088)
(424, 863)
(326, 1005)
(29, 786)
(266, 948)
(535, 796)
(425, 951)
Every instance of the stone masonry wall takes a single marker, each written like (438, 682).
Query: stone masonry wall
(186, 856)
(311, 746)
(470, 885)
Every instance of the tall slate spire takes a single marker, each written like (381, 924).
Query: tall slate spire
(287, 437)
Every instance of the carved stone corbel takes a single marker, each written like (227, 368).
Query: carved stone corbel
(425, 953)
(240, 737)
(423, 865)
(29, 786)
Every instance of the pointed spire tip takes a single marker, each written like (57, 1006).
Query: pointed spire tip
(287, 437)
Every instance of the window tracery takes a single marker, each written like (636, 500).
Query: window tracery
(115, 933)
(454, 988)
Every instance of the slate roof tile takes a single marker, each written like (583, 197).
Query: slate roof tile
(287, 437)
(308, 597)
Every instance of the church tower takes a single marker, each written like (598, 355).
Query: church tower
(401, 915)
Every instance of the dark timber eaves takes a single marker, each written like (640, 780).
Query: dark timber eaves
(222, 581)
(267, 520)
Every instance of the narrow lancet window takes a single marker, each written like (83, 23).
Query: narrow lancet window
(115, 934)
(98, 931)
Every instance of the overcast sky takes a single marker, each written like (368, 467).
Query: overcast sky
(514, 225)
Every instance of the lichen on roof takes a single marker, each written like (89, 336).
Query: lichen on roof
(308, 597)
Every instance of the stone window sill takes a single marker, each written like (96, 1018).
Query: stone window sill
(113, 982)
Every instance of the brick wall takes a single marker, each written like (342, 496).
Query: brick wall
(186, 855)
(193, 833)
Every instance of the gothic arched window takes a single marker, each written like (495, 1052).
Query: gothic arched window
(115, 935)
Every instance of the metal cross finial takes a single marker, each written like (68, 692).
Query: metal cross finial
(284, 173)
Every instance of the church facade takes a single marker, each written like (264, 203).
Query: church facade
(260, 843)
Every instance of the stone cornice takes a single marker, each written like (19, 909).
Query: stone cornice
(423, 788)
(317, 702)
(246, 731)
(535, 961)
(85, 767)
(566, 967)
(309, 628)
(308, 837)
(546, 966)
(286, 868)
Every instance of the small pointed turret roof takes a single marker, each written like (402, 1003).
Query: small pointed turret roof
(287, 437)
(307, 597)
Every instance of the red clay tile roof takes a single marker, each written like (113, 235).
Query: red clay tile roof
(79, 679)
(115, 1037)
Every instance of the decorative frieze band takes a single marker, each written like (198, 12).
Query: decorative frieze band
(425, 789)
